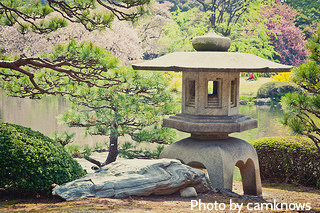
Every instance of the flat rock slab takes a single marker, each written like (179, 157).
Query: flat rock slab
(134, 177)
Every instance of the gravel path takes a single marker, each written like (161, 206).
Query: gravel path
(173, 203)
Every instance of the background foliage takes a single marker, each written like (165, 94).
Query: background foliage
(309, 15)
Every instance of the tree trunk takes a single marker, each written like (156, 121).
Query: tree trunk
(113, 149)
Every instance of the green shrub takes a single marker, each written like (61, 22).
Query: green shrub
(31, 162)
(275, 90)
(289, 159)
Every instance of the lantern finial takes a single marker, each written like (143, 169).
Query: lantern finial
(211, 42)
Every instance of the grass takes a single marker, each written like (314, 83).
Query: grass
(250, 88)
(8, 203)
(247, 98)
(236, 174)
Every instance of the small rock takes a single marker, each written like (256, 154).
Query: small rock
(188, 192)
(54, 185)
(229, 193)
(243, 102)
(253, 198)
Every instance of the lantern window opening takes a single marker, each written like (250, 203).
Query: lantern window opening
(191, 93)
(214, 93)
(233, 93)
(213, 89)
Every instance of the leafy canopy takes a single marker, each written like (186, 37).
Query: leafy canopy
(224, 14)
(177, 35)
(309, 15)
(250, 34)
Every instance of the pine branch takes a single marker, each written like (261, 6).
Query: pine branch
(76, 13)
(88, 72)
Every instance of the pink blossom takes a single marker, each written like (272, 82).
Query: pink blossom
(288, 40)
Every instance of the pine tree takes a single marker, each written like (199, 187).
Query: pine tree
(302, 110)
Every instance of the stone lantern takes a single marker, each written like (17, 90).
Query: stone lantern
(210, 110)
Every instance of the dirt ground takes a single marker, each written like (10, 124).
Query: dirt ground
(172, 203)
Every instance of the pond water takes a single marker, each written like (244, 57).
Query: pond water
(41, 115)
(269, 122)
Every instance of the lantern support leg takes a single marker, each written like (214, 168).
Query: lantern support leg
(220, 157)
(250, 174)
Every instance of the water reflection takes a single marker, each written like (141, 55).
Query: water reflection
(41, 115)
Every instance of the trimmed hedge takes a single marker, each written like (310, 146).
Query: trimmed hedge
(32, 162)
(276, 90)
(289, 159)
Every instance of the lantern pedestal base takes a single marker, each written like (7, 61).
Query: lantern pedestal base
(219, 157)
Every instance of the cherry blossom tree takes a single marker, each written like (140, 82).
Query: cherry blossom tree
(288, 40)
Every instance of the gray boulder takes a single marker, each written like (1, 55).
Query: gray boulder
(134, 177)
(262, 101)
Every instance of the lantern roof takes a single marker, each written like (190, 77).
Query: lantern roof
(211, 61)
(212, 56)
